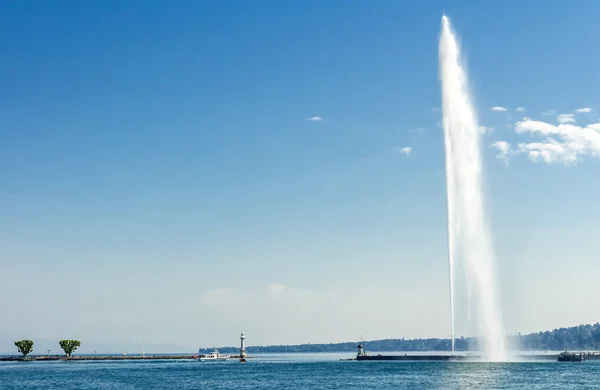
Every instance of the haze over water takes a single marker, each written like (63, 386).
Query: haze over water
(469, 242)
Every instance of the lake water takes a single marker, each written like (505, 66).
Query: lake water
(291, 371)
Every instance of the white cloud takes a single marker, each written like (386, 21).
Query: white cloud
(564, 143)
(486, 130)
(583, 110)
(520, 109)
(498, 109)
(315, 119)
(549, 112)
(549, 151)
(504, 149)
(406, 150)
(566, 118)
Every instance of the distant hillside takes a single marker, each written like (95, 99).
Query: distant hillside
(573, 338)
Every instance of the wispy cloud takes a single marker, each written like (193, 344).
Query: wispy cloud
(549, 112)
(418, 130)
(583, 110)
(520, 109)
(435, 109)
(566, 118)
(503, 148)
(564, 143)
(498, 109)
(407, 150)
(315, 119)
(486, 130)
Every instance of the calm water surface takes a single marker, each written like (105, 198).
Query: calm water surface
(323, 371)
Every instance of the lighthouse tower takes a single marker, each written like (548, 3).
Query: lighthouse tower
(242, 348)
(361, 351)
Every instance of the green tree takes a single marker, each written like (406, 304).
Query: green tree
(596, 335)
(69, 346)
(25, 347)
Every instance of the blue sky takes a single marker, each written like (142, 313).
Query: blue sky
(161, 177)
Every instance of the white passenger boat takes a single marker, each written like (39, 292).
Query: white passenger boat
(214, 356)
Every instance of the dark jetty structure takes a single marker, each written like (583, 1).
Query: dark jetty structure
(578, 356)
(562, 357)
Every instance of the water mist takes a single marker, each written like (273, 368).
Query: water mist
(469, 242)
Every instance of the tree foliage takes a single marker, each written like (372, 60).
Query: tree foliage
(25, 347)
(69, 346)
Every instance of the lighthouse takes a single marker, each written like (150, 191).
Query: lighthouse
(361, 351)
(242, 348)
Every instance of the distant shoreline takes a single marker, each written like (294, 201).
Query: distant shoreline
(38, 358)
(575, 338)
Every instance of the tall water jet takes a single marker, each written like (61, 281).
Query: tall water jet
(469, 242)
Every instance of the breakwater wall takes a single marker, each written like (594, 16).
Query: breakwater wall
(102, 357)
(473, 358)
